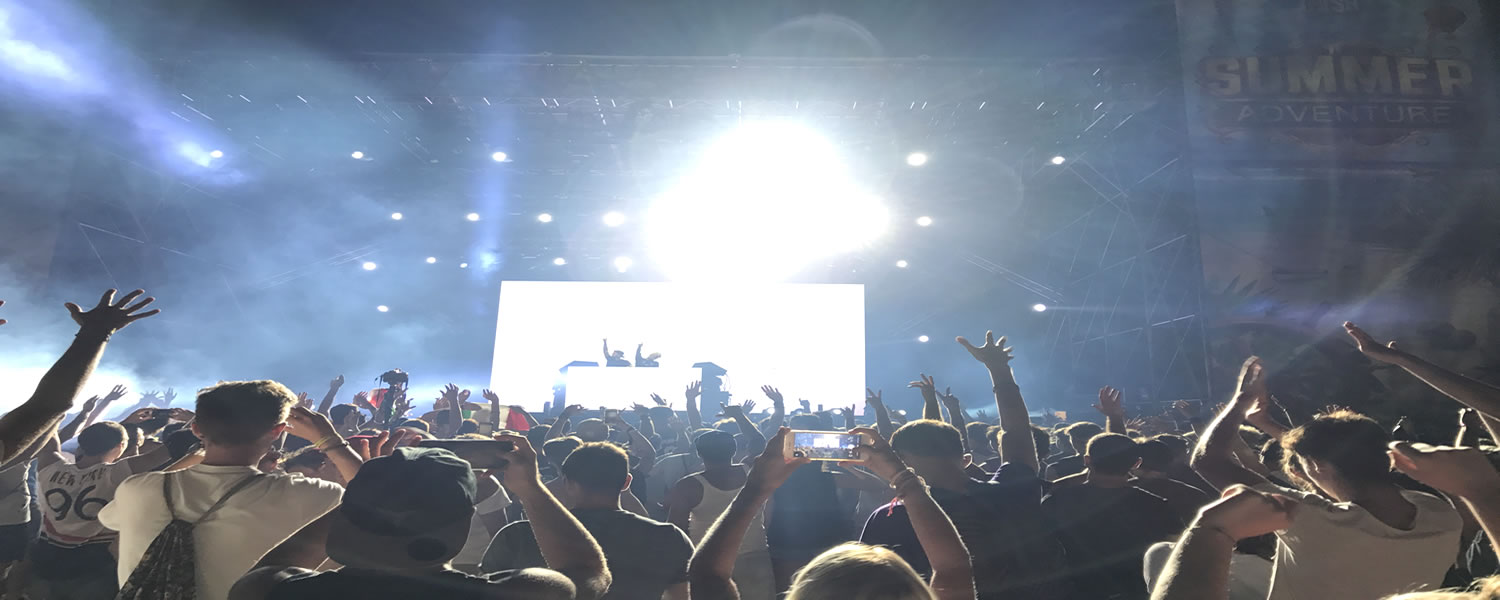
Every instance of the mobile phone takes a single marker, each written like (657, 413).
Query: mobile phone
(823, 445)
(480, 454)
(161, 413)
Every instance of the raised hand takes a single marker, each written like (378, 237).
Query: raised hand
(302, 400)
(570, 410)
(361, 398)
(150, 397)
(109, 315)
(1243, 513)
(400, 406)
(640, 409)
(463, 396)
(992, 354)
(1252, 383)
(872, 398)
(89, 405)
(308, 425)
(337, 382)
(806, 404)
(731, 411)
(491, 396)
(1260, 411)
(748, 407)
(1463, 472)
(115, 393)
(694, 390)
(925, 384)
(450, 393)
(660, 401)
(520, 463)
(948, 399)
(169, 396)
(141, 415)
(876, 454)
(1109, 402)
(1386, 353)
(774, 394)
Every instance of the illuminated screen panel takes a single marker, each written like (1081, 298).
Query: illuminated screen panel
(806, 339)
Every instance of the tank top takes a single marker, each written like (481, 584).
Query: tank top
(715, 502)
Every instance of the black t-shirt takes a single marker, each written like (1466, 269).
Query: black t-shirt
(1067, 465)
(1105, 533)
(1014, 555)
(645, 557)
(1184, 499)
(806, 516)
(450, 585)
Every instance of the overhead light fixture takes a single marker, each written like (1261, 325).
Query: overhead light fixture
(472, 216)
(1039, 307)
(901, 264)
(924, 221)
(217, 154)
(356, 155)
(544, 217)
(614, 218)
(498, 157)
(559, 261)
(383, 308)
(916, 159)
(922, 338)
(622, 264)
(432, 260)
(1057, 160)
(395, 216)
(463, 265)
(369, 266)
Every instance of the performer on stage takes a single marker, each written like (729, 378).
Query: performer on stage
(614, 359)
(646, 361)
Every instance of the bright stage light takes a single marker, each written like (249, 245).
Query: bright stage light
(922, 338)
(217, 154)
(498, 157)
(472, 216)
(1039, 307)
(432, 260)
(559, 261)
(369, 266)
(761, 203)
(356, 155)
(544, 217)
(622, 264)
(614, 218)
(463, 265)
(901, 264)
(924, 221)
(397, 216)
(1057, 160)
(916, 159)
(383, 308)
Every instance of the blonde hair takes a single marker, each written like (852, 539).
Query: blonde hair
(1482, 589)
(859, 572)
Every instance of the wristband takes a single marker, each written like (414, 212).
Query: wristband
(104, 337)
(341, 444)
(1226, 535)
(319, 444)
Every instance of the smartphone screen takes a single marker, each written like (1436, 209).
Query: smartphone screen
(823, 445)
(480, 454)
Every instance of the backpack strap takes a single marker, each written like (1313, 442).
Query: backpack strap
(166, 490)
(242, 484)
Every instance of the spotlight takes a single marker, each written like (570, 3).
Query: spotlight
(901, 264)
(1039, 307)
(622, 264)
(916, 159)
(356, 155)
(432, 260)
(498, 157)
(614, 218)
(397, 216)
(922, 338)
(1057, 160)
(383, 308)
(217, 154)
(544, 217)
(472, 216)
(463, 265)
(559, 261)
(924, 221)
(369, 266)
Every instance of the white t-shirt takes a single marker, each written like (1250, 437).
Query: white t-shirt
(250, 524)
(479, 536)
(15, 495)
(1339, 551)
(71, 499)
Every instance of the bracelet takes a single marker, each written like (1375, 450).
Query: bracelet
(902, 478)
(92, 334)
(319, 444)
(1226, 535)
(341, 444)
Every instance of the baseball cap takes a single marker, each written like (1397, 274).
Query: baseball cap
(407, 510)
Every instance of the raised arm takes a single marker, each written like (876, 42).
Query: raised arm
(565, 544)
(560, 427)
(55, 392)
(333, 392)
(952, 574)
(695, 420)
(160, 457)
(639, 445)
(1462, 472)
(643, 416)
(778, 405)
(114, 394)
(883, 422)
(752, 434)
(66, 432)
(712, 566)
(1113, 410)
(1214, 459)
(930, 409)
(316, 428)
(1198, 568)
(1015, 448)
(956, 416)
(1470, 392)
(606, 351)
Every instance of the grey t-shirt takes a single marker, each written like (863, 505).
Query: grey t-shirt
(645, 557)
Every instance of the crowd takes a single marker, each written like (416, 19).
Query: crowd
(258, 493)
